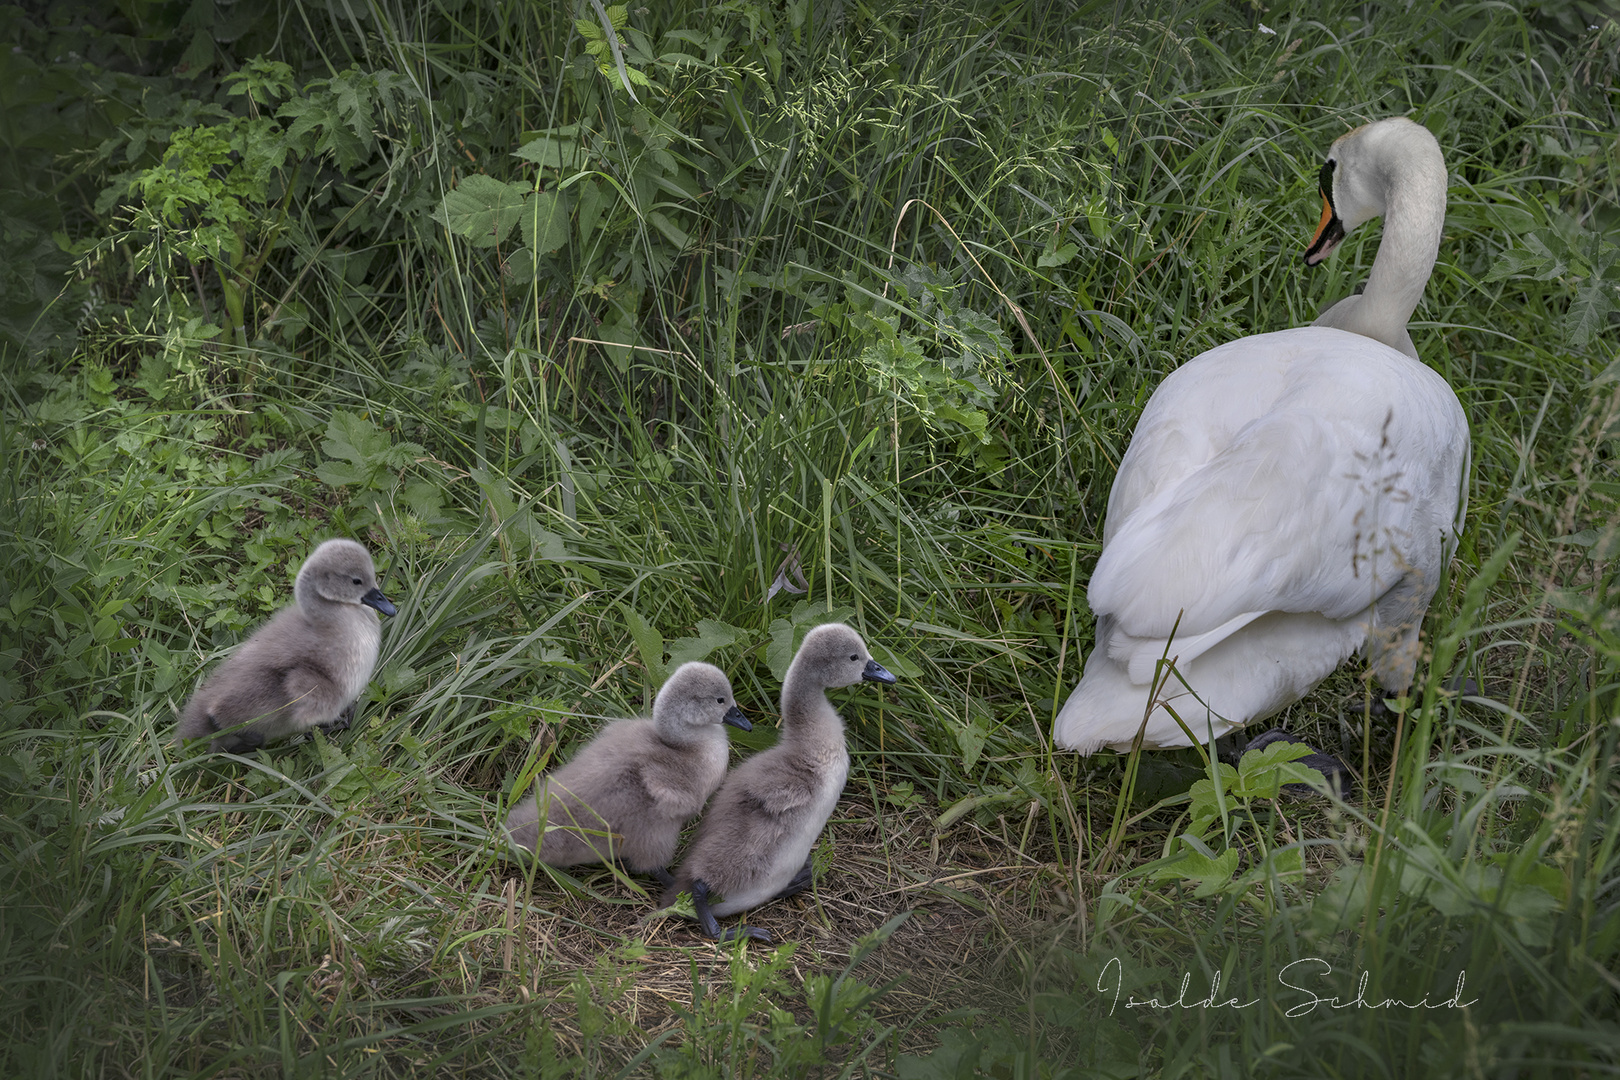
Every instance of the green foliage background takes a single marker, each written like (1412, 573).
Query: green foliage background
(596, 340)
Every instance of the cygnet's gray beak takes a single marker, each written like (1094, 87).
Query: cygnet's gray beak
(377, 600)
(736, 719)
(877, 672)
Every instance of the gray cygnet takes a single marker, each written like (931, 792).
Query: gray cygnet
(305, 667)
(629, 792)
(754, 843)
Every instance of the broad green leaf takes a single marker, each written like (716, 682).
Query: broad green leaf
(970, 738)
(1260, 773)
(1589, 312)
(892, 660)
(786, 634)
(363, 454)
(711, 635)
(1204, 805)
(593, 203)
(649, 643)
(545, 220)
(672, 232)
(548, 152)
(482, 209)
(1517, 263)
(1058, 256)
(1211, 873)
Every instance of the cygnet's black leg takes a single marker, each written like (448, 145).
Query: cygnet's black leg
(800, 882)
(662, 875)
(344, 719)
(711, 925)
(1334, 770)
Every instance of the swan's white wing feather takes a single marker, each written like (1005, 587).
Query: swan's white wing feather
(1289, 486)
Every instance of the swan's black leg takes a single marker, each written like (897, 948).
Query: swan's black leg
(662, 875)
(1458, 684)
(1334, 770)
(1229, 747)
(800, 882)
(711, 926)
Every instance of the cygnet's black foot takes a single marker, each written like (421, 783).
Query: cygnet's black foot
(711, 925)
(1338, 776)
(344, 719)
(244, 742)
(800, 881)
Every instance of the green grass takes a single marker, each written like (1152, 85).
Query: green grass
(882, 286)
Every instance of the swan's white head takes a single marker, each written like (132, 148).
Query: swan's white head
(1368, 168)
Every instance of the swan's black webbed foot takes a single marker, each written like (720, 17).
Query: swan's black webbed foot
(1459, 685)
(800, 882)
(1229, 747)
(344, 719)
(1334, 770)
(711, 926)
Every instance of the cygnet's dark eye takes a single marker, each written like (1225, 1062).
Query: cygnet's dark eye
(719, 701)
(357, 581)
(854, 657)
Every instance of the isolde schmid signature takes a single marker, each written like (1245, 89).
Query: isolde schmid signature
(1299, 976)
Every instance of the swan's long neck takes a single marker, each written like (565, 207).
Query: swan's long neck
(808, 718)
(1413, 176)
(1413, 221)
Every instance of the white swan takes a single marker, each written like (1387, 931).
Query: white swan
(1289, 497)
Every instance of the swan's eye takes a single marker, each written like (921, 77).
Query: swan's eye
(854, 657)
(719, 701)
(357, 581)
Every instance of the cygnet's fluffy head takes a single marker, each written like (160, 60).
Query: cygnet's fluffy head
(834, 655)
(1364, 167)
(340, 572)
(694, 696)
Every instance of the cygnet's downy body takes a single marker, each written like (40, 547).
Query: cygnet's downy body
(305, 667)
(627, 794)
(754, 843)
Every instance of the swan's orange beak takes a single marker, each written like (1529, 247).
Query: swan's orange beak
(1329, 231)
(1327, 219)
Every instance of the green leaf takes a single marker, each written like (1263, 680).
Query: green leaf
(1205, 806)
(545, 220)
(786, 634)
(547, 152)
(363, 452)
(343, 782)
(649, 643)
(482, 209)
(1519, 263)
(711, 635)
(970, 739)
(672, 232)
(1212, 874)
(1261, 774)
(1589, 312)
(1058, 256)
(593, 203)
